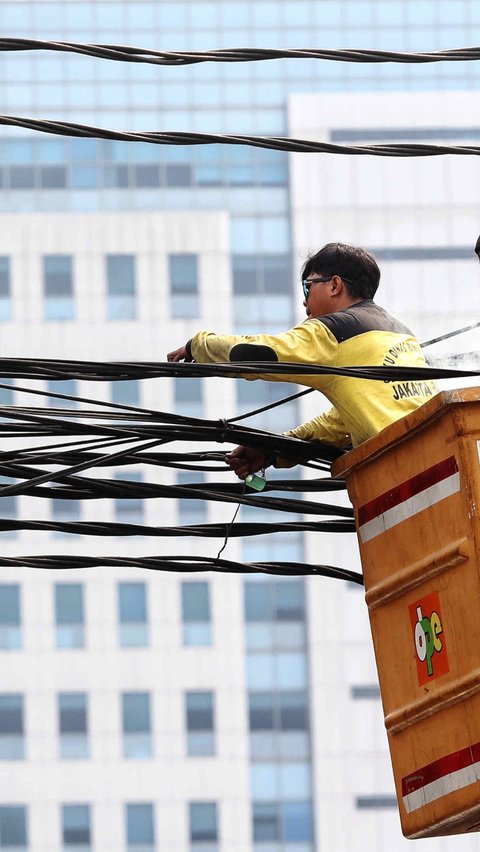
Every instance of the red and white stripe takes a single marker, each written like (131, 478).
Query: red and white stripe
(408, 499)
(443, 776)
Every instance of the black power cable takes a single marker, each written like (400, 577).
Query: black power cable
(124, 53)
(272, 143)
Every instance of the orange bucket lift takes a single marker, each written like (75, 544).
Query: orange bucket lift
(415, 489)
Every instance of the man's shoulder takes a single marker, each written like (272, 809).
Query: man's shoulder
(361, 318)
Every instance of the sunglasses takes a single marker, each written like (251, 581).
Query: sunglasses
(307, 283)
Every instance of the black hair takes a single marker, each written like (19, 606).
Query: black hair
(355, 266)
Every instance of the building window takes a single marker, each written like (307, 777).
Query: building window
(126, 393)
(262, 287)
(278, 602)
(203, 826)
(10, 618)
(58, 287)
(375, 802)
(121, 300)
(13, 828)
(137, 735)
(129, 510)
(11, 727)
(200, 723)
(254, 395)
(69, 615)
(275, 617)
(280, 711)
(191, 511)
(132, 611)
(65, 511)
(6, 394)
(73, 725)
(140, 828)
(365, 691)
(68, 387)
(290, 822)
(5, 291)
(196, 613)
(8, 506)
(188, 397)
(76, 830)
(184, 296)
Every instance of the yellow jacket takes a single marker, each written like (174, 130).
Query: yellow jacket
(361, 335)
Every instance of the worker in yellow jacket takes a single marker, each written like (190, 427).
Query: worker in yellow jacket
(344, 328)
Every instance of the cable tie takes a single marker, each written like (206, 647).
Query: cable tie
(226, 427)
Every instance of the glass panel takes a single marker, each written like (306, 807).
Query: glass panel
(9, 605)
(13, 826)
(133, 614)
(290, 601)
(64, 511)
(195, 602)
(76, 826)
(136, 711)
(191, 511)
(179, 175)
(203, 821)
(126, 393)
(261, 711)
(200, 744)
(5, 290)
(183, 275)
(295, 781)
(199, 711)
(67, 387)
(132, 602)
(293, 711)
(137, 742)
(72, 707)
(129, 510)
(146, 175)
(58, 287)
(69, 615)
(266, 822)
(69, 603)
(22, 177)
(297, 821)
(261, 671)
(291, 670)
(11, 727)
(70, 636)
(140, 825)
(53, 177)
(74, 747)
(258, 601)
(121, 287)
(197, 634)
(188, 397)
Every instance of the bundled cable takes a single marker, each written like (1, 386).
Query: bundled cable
(272, 143)
(123, 53)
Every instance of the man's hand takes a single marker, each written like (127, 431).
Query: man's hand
(181, 354)
(245, 460)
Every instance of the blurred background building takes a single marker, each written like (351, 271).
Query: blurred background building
(208, 713)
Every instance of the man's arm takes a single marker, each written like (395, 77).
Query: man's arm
(327, 428)
(310, 342)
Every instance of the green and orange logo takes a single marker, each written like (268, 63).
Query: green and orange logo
(429, 639)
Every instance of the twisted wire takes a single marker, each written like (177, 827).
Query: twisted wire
(125, 53)
(273, 143)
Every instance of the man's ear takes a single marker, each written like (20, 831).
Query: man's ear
(337, 285)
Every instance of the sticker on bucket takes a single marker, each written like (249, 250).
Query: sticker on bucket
(407, 499)
(428, 638)
(446, 775)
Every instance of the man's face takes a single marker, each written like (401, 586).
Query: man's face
(318, 300)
